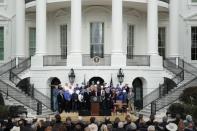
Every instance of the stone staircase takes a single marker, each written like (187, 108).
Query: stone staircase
(160, 102)
(37, 103)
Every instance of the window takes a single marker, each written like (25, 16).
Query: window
(194, 43)
(96, 39)
(130, 41)
(161, 41)
(194, 0)
(32, 41)
(63, 41)
(1, 43)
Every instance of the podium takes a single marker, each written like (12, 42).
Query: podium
(95, 105)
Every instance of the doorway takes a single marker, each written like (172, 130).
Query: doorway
(94, 80)
(138, 93)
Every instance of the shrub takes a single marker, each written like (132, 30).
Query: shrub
(4, 111)
(189, 96)
(176, 108)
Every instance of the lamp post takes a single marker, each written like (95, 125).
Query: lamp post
(120, 76)
(71, 76)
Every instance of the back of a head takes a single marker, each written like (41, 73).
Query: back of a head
(131, 127)
(92, 119)
(151, 128)
(120, 124)
(189, 118)
(57, 118)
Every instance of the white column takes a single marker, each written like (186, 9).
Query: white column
(75, 58)
(20, 28)
(152, 34)
(37, 60)
(118, 58)
(174, 28)
(152, 27)
(40, 27)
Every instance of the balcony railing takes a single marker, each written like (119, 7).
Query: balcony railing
(138, 60)
(96, 61)
(27, 1)
(54, 60)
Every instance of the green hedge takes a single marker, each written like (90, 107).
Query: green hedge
(189, 106)
(4, 111)
(189, 96)
(183, 110)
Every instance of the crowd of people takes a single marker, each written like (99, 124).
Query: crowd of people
(129, 124)
(75, 98)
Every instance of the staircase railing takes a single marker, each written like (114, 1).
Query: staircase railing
(169, 99)
(22, 66)
(16, 94)
(7, 66)
(159, 92)
(159, 105)
(33, 92)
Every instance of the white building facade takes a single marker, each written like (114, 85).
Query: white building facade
(98, 37)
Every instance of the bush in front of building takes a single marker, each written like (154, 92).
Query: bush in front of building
(176, 108)
(4, 111)
(189, 96)
(188, 105)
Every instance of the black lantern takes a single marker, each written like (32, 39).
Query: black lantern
(120, 76)
(71, 76)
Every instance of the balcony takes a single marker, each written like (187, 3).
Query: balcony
(138, 60)
(54, 60)
(27, 1)
(96, 61)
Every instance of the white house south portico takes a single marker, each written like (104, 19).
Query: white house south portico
(98, 38)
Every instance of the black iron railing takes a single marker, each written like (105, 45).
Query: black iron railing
(17, 95)
(54, 60)
(163, 90)
(30, 90)
(138, 60)
(87, 60)
(173, 95)
(22, 65)
(7, 66)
